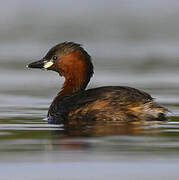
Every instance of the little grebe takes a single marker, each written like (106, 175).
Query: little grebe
(74, 104)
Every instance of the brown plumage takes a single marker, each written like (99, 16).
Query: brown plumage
(76, 106)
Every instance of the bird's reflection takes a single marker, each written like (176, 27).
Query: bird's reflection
(75, 138)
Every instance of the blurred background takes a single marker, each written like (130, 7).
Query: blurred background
(132, 43)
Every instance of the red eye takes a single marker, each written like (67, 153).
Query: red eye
(54, 58)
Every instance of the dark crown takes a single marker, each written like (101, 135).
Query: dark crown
(63, 49)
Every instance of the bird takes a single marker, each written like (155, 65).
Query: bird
(74, 105)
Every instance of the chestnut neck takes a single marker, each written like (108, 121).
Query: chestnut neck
(72, 85)
(77, 69)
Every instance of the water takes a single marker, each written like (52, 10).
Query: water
(136, 44)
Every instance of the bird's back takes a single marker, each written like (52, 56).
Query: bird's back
(106, 105)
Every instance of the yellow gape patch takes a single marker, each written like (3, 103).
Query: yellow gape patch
(48, 64)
